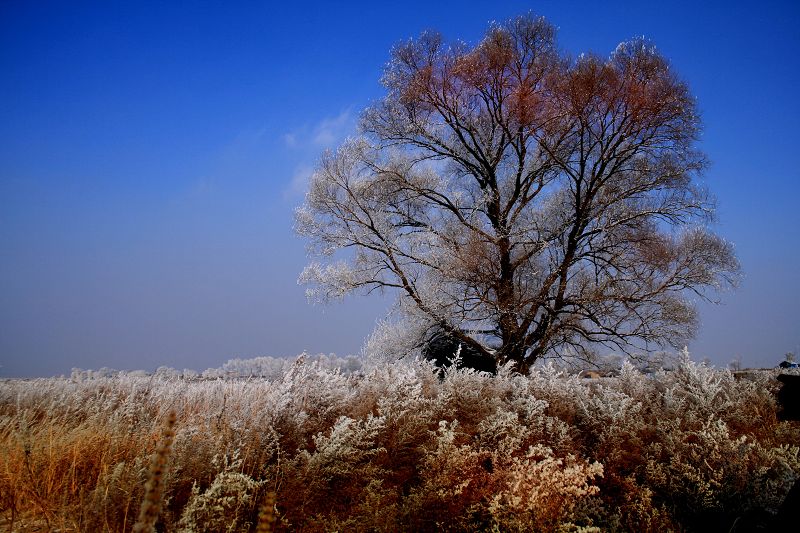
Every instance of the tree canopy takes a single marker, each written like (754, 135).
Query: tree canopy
(522, 201)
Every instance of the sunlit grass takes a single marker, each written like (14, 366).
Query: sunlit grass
(392, 447)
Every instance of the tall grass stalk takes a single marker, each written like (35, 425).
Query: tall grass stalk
(154, 488)
(266, 516)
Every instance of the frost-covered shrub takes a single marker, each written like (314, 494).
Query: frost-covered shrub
(540, 491)
(395, 340)
(274, 368)
(227, 505)
(454, 478)
(394, 447)
(697, 442)
(346, 451)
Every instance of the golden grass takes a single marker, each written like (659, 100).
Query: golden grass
(394, 450)
(154, 488)
(266, 515)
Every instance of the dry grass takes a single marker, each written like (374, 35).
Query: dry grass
(154, 488)
(393, 449)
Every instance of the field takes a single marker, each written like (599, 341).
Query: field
(396, 447)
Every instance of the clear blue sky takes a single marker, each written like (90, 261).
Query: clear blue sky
(151, 156)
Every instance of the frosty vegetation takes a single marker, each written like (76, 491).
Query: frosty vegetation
(395, 446)
(521, 201)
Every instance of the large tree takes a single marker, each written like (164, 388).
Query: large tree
(521, 201)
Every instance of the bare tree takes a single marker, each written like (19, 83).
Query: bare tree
(521, 201)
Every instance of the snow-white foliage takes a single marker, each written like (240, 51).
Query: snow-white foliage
(398, 446)
(224, 506)
(393, 340)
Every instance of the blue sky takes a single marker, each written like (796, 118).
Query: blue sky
(151, 156)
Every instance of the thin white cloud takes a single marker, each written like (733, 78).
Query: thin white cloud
(290, 140)
(326, 133)
(309, 142)
(298, 184)
(330, 131)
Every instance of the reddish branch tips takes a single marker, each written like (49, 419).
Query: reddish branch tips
(522, 201)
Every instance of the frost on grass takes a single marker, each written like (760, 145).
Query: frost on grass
(224, 506)
(396, 446)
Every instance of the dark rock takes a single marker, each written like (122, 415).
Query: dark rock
(441, 349)
(789, 397)
(787, 514)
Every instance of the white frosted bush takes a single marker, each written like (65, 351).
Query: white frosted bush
(227, 505)
(452, 474)
(396, 340)
(502, 432)
(350, 444)
(397, 446)
(709, 469)
(540, 491)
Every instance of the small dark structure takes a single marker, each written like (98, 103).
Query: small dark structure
(788, 364)
(755, 520)
(786, 519)
(787, 514)
(789, 397)
(441, 348)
